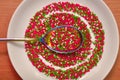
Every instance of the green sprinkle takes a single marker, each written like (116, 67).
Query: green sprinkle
(100, 52)
(88, 59)
(85, 55)
(103, 31)
(99, 38)
(46, 51)
(79, 61)
(38, 47)
(81, 10)
(88, 64)
(35, 59)
(60, 47)
(83, 74)
(55, 73)
(37, 17)
(48, 28)
(33, 46)
(69, 74)
(63, 62)
(48, 74)
(75, 18)
(44, 14)
(73, 77)
(63, 71)
(48, 25)
(55, 56)
(32, 42)
(89, 30)
(72, 62)
(94, 42)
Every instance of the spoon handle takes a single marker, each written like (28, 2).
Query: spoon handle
(17, 39)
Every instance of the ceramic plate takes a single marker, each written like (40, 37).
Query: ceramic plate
(20, 21)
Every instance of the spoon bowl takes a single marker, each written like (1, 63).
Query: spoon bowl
(47, 39)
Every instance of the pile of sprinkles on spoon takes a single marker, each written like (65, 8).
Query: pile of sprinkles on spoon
(65, 66)
(63, 39)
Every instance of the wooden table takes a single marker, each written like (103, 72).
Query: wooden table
(7, 7)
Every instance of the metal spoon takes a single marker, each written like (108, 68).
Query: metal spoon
(42, 39)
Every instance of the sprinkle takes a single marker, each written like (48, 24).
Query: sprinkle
(43, 21)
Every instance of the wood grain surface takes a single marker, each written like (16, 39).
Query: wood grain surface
(7, 8)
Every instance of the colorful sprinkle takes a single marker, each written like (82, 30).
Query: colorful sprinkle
(61, 66)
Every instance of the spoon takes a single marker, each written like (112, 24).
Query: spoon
(46, 39)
